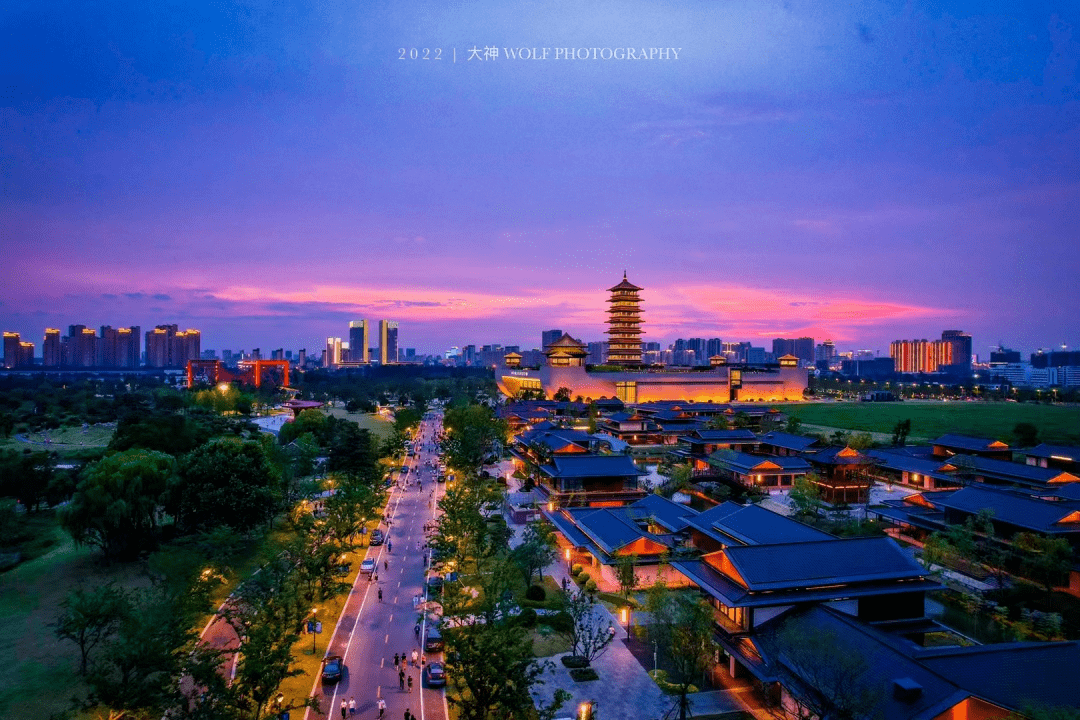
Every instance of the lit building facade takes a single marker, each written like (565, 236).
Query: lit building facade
(359, 341)
(50, 348)
(168, 346)
(388, 342)
(920, 356)
(624, 324)
(17, 352)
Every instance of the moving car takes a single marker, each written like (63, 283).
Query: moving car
(436, 674)
(367, 566)
(333, 668)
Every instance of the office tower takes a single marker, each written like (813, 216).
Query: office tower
(50, 349)
(714, 347)
(624, 324)
(388, 341)
(208, 355)
(359, 341)
(1004, 355)
(332, 355)
(597, 353)
(301, 358)
(548, 337)
(278, 354)
(288, 354)
(961, 347)
(920, 356)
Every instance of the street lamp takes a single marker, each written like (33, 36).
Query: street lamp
(585, 711)
(314, 627)
(626, 620)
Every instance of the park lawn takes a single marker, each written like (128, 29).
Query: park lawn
(1056, 423)
(379, 427)
(546, 642)
(63, 441)
(38, 672)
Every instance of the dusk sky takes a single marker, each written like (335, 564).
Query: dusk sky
(861, 171)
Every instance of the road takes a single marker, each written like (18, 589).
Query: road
(370, 631)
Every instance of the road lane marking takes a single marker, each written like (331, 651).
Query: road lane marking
(386, 640)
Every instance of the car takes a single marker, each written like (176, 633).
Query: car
(333, 668)
(433, 640)
(367, 566)
(434, 584)
(436, 674)
(377, 537)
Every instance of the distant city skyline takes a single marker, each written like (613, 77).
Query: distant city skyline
(859, 172)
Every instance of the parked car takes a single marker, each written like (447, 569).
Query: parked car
(436, 674)
(434, 584)
(367, 566)
(377, 537)
(333, 668)
(433, 640)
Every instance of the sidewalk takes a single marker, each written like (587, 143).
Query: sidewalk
(624, 689)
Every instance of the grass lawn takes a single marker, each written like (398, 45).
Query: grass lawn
(63, 441)
(546, 642)
(1056, 423)
(378, 426)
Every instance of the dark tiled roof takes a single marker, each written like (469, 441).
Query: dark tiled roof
(1010, 471)
(909, 463)
(672, 515)
(1010, 507)
(570, 466)
(966, 442)
(746, 463)
(1060, 452)
(731, 524)
(788, 441)
(834, 561)
(741, 435)
(1013, 675)
(839, 456)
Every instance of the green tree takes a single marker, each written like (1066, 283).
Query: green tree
(682, 626)
(626, 575)
(116, 505)
(561, 395)
(900, 432)
(536, 551)
(805, 496)
(793, 425)
(226, 482)
(90, 617)
(861, 441)
(837, 675)
(590, 633)
(1026, 434)
(1046, 560)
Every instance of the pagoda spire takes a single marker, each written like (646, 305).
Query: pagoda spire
(624, 324)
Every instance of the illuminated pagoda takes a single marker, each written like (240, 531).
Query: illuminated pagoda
(624, 324)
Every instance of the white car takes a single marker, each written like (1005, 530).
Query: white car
(367, 566)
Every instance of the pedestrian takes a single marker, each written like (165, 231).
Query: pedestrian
(352, 706)
(389, 547)
(396, 658)
(344, 708)
(382, 707)
(410, 685)
(423, 659)
(414, 656)
(386, 565)
(417, 546)
(401, 679)
(416, 628)
(380, 594)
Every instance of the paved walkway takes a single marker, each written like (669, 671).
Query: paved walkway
(624, 689)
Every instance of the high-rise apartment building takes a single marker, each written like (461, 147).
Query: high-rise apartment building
(802, 348)
(119, 347)
(548, 337)
(597, 353)
(50, 349)
(79, 348)
(17, 352)
(168, 346)
(714, 347)
(359, 341)
(961, 347)
(388, 342)
(825, 352)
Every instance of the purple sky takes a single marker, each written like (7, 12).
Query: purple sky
(863, 171)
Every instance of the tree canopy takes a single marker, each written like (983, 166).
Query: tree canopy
(225, 482)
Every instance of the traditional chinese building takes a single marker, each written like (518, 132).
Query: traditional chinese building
(624, 324)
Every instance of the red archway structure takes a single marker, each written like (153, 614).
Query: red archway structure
(249, 371)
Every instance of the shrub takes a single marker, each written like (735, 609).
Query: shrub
(576, 569)
(574, 661)
(584, 674)
(582, 578)
(560, 621)
(660, 676)
(591, 586)
(527, 617)
(536, 592)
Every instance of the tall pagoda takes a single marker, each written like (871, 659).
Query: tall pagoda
(624, 324)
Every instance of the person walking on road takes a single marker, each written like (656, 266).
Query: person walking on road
(382, 707)
(389, 547)
(410, 683)
(344, 708)
(401, 678)
(380, 594)
(352, 706)
(396, 659)
(414, 656)
(416, 629)
(385, 564)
